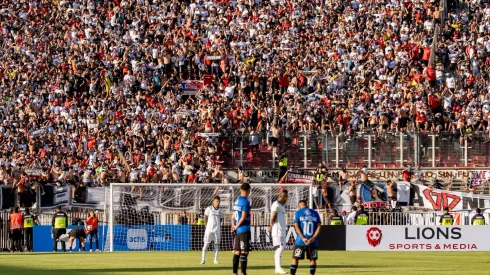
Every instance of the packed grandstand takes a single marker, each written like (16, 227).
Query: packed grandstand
(155, 91)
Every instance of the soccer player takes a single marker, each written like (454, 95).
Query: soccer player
(278, 229)
(307, 225)
(212, 219)
(240, 225)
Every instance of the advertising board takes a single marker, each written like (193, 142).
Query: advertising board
(417, 238)
(43, 238)
(152, 237)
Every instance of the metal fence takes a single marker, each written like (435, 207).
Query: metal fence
(388, 150)
(43, 219)
(262, 219)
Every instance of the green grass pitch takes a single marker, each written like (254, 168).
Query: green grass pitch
(260, 263)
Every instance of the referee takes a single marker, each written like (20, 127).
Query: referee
(59, 223)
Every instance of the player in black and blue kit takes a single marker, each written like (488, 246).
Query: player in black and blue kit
(307, 224)
(241, 228)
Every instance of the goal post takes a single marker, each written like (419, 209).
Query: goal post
(163, 217)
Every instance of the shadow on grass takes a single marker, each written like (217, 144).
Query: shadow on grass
(16, 270)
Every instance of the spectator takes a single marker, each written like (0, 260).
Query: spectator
(91, 228)
(98, 85)
(352, 216)
(183, 219)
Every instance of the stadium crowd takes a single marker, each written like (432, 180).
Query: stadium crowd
(92, 90)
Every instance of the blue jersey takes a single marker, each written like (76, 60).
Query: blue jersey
(309, 221)
(242, 204)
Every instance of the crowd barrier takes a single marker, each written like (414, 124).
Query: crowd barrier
(396, 232)
(389, 150)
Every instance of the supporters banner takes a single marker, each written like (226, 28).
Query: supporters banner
(43, 238)
(435, 199)
(55, 195)
(272, 175)
(417, 238)
(34, 172)
(191, 87)
(8, 197)
(295, 177)
(477, 178)
(214, 57)
(39, 132)
(374, 197)
(93, 197)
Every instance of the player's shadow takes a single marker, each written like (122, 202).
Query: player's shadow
(10, 270)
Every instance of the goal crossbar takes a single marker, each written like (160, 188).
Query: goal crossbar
(113, 188)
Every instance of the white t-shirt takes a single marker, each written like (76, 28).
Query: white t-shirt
(351, 218)
(279, 227)
(214, 219)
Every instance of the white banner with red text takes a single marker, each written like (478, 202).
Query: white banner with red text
(417, 238)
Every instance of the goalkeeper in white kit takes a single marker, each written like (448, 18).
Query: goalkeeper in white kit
(212, 219)
(278, 229)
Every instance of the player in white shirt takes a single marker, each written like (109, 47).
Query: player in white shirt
(278, 229)
(212, 219)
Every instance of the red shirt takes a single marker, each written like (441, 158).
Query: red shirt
(431, 73)
(191, 178)
(406, 175)
(15, 221)
(433, 101)
(208, 79)
(92, 223)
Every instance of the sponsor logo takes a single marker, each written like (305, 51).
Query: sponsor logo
(298, 252)
(422, 246)
(429, 233)
(137, 239)
(374, 236)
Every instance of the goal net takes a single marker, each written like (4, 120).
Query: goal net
(169, 217)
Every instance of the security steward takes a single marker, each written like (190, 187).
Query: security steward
(362, 217)
(446, 219)
(317, 186)
(15, 228)
(283, 164)
(29, 221)
(335, 218)
(200, 219)
(59, 223)
(478, 219)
